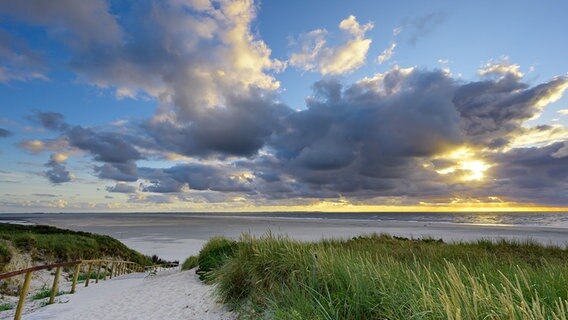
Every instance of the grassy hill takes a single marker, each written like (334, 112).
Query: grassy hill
(384, 277)
(50, 244)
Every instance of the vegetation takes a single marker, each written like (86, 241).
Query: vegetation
(6, 306)
(190, 263)
(5, 255)
(214, 254)
(45, 292)
(382, 277)
(46, 243)
(159, 261)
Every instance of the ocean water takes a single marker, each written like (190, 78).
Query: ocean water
(537, 219)
(548, 219)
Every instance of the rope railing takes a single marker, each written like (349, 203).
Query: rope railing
(111, 268)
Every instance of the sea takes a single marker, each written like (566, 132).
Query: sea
(537, 219)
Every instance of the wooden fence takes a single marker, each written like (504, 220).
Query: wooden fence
(110, 268)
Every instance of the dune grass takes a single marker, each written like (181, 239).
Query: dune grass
(46, 243)
(382, 277)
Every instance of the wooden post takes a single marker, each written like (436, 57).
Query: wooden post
(23, 294)
(111, 270)
(88, 274)
(98, 272)
(75, 277)
(54, 286)
(106, 271)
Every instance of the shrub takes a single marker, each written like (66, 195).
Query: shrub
(190, 263)
(5, 255)
(214, 254)
(6, 306)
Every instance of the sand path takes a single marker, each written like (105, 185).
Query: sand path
(168, 295)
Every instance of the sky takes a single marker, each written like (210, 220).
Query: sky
(199, 105)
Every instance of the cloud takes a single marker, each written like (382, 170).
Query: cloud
(239, 131)
(316, 55)
(563, 112)
(196, 177)
(533, 174)
(121, 187)
(419, 27)
(386, 54)
(17, 61)
(38, 146)
(5, 133)
(57, 173)
(500, 68)
(50, 120)
(34, 146)
(118, 171)
(80, 23)
(391, 137)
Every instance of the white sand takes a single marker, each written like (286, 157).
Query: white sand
(168, 295)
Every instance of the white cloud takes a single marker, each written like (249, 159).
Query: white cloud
(316, 55)
(386, 54)
(500, 68)
(563, 112)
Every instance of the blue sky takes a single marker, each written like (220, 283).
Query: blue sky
(240, 105)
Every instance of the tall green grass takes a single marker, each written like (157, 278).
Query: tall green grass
(381, 277)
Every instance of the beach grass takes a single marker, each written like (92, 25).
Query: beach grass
(190, 263)
(384, 277)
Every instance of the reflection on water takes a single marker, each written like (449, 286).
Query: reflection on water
(551, 219)
(484, 218)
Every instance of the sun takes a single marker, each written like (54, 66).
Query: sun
(466, 166)
(476, 169)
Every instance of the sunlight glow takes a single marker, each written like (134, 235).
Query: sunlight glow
(469, 168)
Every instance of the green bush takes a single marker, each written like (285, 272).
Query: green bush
(25, 242)
(6, 306)
(190, 263)
(45, 292)
(214, 254)
(5, 255)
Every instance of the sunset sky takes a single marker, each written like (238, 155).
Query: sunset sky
(198, 105)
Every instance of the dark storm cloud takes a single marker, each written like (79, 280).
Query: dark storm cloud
(120, 187)
(57, 173)
(493, 110)
(536, 175)
(372, 134)
(241, 129)
(5, 133)
(117, 151)
(104, 146)
(118, 171)
(195, 177)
